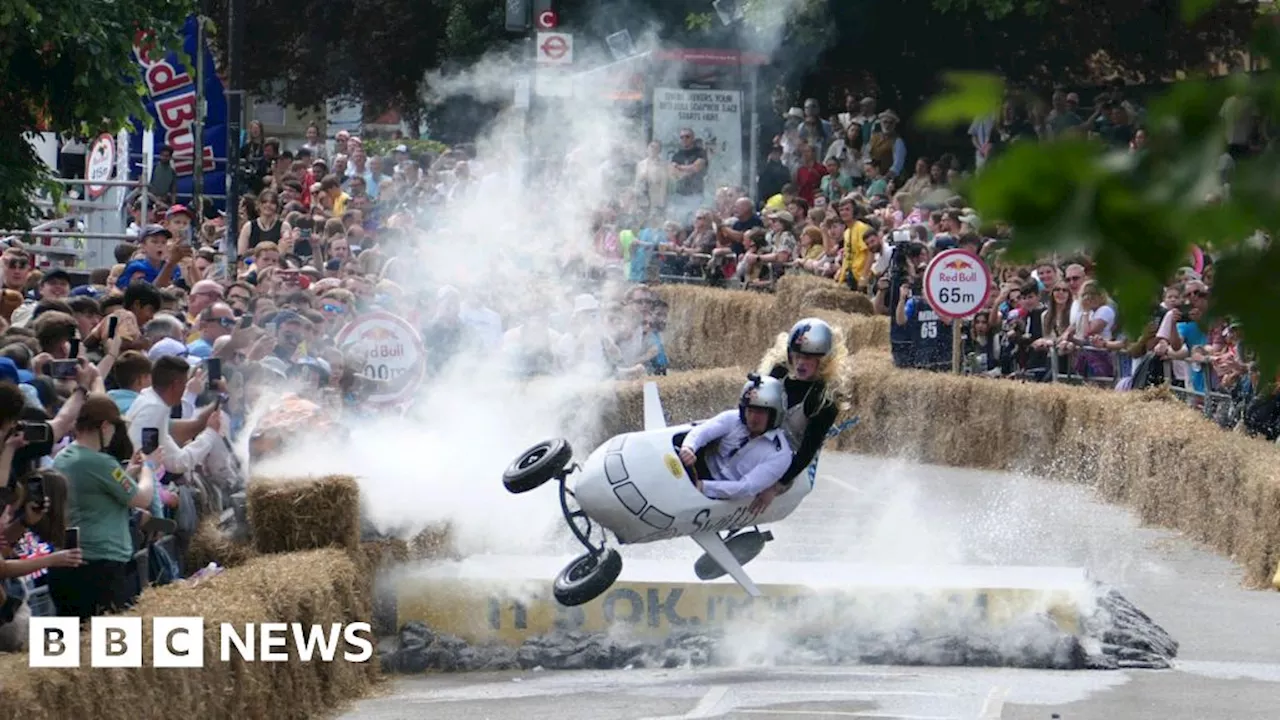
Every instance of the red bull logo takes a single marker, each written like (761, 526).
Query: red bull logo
(959, 265)
(377, 334)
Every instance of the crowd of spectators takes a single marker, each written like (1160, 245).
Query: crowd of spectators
(840, 197)
(122, 399)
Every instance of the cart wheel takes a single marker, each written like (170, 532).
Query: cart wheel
(537, 465)
(587, 577)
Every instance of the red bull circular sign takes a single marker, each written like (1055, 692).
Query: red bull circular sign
(957, 284)
(392, 352)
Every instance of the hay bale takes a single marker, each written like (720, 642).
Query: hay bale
(839, 299)
(686, 396)
(710, 328)
(1174, 467)
(209, 544)
(433, 543)
(320, 587)
(304, 514)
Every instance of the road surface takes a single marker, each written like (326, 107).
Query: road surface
(874, 510)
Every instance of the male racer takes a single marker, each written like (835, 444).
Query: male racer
(751, 452)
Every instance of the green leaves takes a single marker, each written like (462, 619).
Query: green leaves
(1192, 10)
(969, 96)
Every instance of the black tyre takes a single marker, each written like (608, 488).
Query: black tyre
(537, 465)
(587, 577)
(744, 547)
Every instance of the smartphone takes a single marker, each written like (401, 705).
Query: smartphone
(74, 348)
(175, 412)
(150, 440)
(112, 323)
(36, 432)
(63, 369)
(213, 366)
(35, 489)
(73, 538)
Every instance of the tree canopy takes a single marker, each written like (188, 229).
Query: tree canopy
(61, 68)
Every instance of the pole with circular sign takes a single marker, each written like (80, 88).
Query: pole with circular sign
(393, 356)
(957, 285)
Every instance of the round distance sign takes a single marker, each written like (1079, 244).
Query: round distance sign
(957, 284)
(392, 352)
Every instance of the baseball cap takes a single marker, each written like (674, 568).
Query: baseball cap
(402, 148)
(56, 274)
(98, 408)
(169, 346)
(179, 210)
(154, 229)
(286, 316)
(9, 371)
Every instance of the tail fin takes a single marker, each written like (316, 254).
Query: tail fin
(654, 417)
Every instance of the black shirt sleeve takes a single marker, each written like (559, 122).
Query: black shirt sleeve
(814, 435)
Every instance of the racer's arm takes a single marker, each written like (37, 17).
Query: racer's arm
(710, 431)
(814, 436)
(760, 478)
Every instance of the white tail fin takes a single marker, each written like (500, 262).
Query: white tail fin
(654, 418)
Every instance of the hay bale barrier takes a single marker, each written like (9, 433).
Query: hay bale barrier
(1175, 468)
(209, 544)
(714, 328)
(320, 587)
(304, 514)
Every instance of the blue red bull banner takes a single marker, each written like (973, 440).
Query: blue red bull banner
(173, 99)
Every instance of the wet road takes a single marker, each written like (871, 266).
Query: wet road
(875, 510)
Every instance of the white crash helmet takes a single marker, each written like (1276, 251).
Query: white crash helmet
(810, 336)
(766, 393)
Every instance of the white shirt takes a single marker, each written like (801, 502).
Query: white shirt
(149, 411)
(742, 466)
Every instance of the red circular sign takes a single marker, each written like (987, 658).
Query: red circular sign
(957, 284)
(555, 47)
(547, 20)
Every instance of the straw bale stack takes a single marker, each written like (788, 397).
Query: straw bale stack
(709, 327)
(210, 544)
(304, 514)
(686, 396)
(798, 294)
(1174, 467)
(321, 587)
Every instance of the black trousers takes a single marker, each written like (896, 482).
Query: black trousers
(96, 588)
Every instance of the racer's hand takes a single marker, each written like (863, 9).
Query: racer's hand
(688, 457)
(764, 499)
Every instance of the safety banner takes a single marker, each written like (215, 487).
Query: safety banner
(173, 99)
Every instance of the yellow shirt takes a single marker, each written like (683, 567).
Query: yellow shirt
(340, 204)
(856, 256)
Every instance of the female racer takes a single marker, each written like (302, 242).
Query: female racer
(811, 361)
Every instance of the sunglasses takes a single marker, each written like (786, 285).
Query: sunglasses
(225, 322)
(336, 309)
(16, 264)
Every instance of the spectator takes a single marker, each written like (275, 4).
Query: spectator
(216, 321)
(184, 443)
(132, 374)
(102, 492)
(689, 170)
(164, 180)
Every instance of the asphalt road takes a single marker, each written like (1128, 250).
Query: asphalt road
(874, 510)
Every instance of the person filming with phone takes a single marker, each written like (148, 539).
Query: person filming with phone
(35, 539)
(185, 443)
(102, 496)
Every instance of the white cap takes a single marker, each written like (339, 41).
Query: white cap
(169, 346)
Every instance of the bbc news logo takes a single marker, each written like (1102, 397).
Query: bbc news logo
(178, 642)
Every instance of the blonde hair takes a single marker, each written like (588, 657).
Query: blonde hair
(835, 370)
